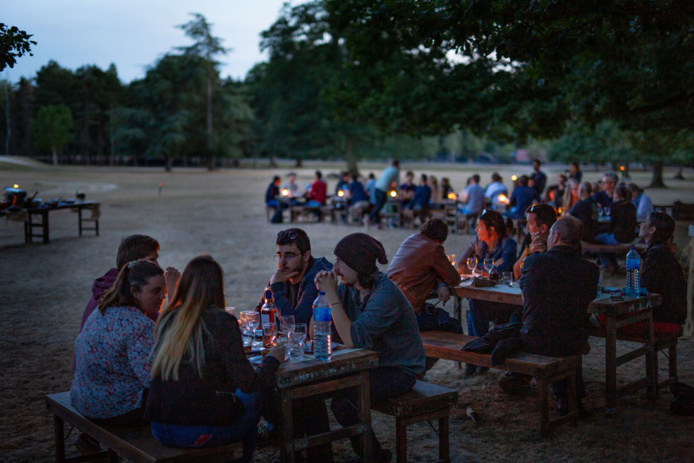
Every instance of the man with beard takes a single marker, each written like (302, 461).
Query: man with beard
(292, 286)
(370, 311)
(293, 291)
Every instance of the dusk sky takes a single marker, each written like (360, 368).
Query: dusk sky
(133, 34)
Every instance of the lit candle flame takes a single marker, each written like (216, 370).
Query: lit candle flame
(340, 193)
(503, 199)
(514, 177)
(16, 186)
(453, 258)
(393, 194)
(452, 196)
(621, 167)
(285, 192)
(559, 211)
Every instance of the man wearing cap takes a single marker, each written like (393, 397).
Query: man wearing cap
(370, 311)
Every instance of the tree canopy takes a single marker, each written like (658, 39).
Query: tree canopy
(14, 43)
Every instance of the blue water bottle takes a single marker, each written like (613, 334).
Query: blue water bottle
(633, 271)
(322, 318)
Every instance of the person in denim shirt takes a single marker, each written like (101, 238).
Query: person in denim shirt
(492, 242)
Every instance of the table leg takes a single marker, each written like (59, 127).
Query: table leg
(44, 226)
(365, 416)
(79, 219)
(610, 365)
(652, 358)
(287, 429)
(59, 432)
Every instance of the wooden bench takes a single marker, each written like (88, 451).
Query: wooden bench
(662, 342)
(136, 444)
(545, 369)
(424, 402)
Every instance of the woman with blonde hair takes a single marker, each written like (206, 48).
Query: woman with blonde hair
(204, 391)
(112, 352)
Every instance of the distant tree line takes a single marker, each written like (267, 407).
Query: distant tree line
(357, 79)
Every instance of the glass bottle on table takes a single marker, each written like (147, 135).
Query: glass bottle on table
(267, 311)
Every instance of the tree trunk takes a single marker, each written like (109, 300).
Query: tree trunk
(169, 163)
(273, 164)
(351, 157)
(211, 164)
(657, 180)
(7, 119)
(679, 175)
(299, 163)
(55, 156)
(112, 156)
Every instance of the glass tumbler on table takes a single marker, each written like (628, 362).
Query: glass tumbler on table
(488, 265)
(297, 338)
(253, 322)
(270, 332)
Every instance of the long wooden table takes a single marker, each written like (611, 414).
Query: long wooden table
(297, 379)
(618, 313)
(33, 213)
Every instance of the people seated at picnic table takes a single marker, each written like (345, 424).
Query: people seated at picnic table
(523, 196)
(493, 191)
(538, 177)
(586, 210)
(492, 242)
(421, 266)
(554, 195)
(642, 203)
(358, 198)
(292, 286)
(540, 218)
(318, 193)
(575, 172)
(662, 274)
(622, 225)
(389, 177)
(293, 189)
(371, 312)
(420, 201)
(436, 198)
(204, 391)
(112, 366)
(558, 287)
(570, 195)
(471, 199)
(272, 195)
(446, 188)
(343, 183)
(604, 196)
(407, 189)
(133, 247)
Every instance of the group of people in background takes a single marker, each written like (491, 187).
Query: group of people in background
(181, 365)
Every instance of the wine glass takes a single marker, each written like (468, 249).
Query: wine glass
(472, 264)
(299, 336)
(489, 265)
(287, 324)
(253, 322)
(270, 332)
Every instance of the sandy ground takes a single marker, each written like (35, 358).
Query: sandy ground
(45, 287)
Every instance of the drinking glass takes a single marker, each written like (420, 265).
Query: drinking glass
(489, 265)
(472, 264)
(270, 332)
(246, 329)
(508, 278)
(298, 336)
(253, 322)
(287, 324)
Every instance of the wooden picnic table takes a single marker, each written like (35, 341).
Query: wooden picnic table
(618, 313)
(310, 377)
(31, 222)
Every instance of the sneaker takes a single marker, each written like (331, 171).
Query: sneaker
(513, 383)
(86, 444)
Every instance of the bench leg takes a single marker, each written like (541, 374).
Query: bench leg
(59, 434)
(544, 406)
(444, 455)
(673, 362)
(400, 441)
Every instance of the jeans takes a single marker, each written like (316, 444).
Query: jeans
(381, 196)
(385, 382)
(483, 312)
(244, 429)
(609, 239)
